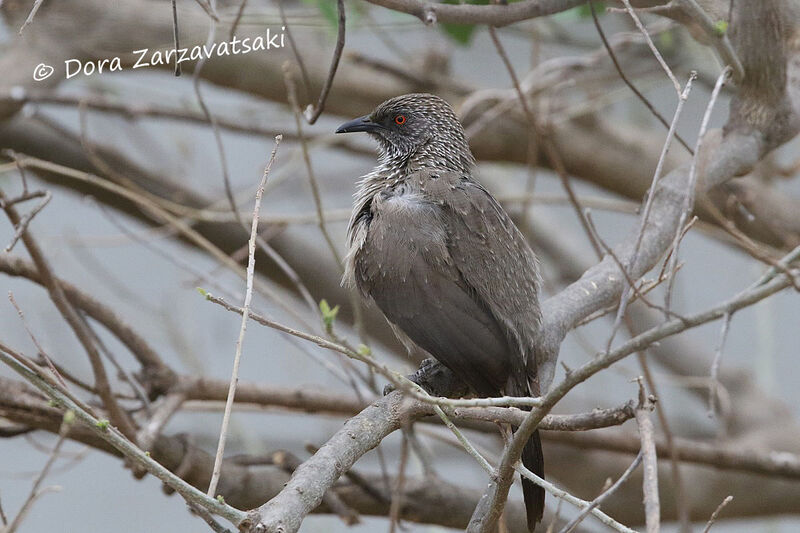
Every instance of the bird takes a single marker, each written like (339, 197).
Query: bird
(442, 260)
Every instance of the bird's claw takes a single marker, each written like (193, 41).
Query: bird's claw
(436, 379)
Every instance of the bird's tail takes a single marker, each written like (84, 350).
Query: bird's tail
(533, 460)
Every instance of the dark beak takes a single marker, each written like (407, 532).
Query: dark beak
(358, 124)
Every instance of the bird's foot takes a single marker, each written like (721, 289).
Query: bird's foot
(436, 379)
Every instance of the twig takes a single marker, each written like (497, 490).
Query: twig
(295, 50)
(653, 48)
(292, 95)
(549, 148)
(626, 293)
(162, 412)
(22, 225)
(397, 491)
(208, 7)
(628, 82)
(208, 518)
(602, 496)
(773, 270)
(681, 502)
(36, 5)
(719, 39)
(39, 348)
(689, 199)
(491, 506)
(69, 418)
(212, 30)
(238, 18)
(106, 316)
(652, 508)
(495, 15)
(76, 323)
(154, 208)
(610, 252)
(175, 36)
(116, 439)
(716, 512)
(714, 379)
(312, 114)
(212, 486)
(577, 502)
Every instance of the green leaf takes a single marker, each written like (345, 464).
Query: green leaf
(328, 313)
(204, 293)
(584, 11)
(102, 424)
(460, 33)
(666, 40)
(721, 27)
(327, 9)
(364, 350)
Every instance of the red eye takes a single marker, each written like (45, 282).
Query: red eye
(400, 120)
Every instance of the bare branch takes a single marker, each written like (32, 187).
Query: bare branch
(312, 114)
(212, 486)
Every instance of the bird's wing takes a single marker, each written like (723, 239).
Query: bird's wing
(494, 259)
(405, 265)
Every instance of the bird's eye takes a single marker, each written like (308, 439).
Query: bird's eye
(400, 120)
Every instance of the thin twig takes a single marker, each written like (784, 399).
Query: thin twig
(295, 51)
(397, 491)
(36, 5)
(549, 148)
(680, 494)
(312, 114)
(251, 261)
(208, 518)
(602, 496)
(209, 8)
(714, 379)
(68, 419)
(35, 341)
(312, 179)
(688, 201)
(652, 508)
(76, 323)
(237, 19)
(716, 512)
(212, 30)
(26, 219)
(3, 516)
(493, 503)
(719, 39)
(628, 82)
(626, 293)
(652, 46)
(116, 439)
(175, 39)
(577, 502)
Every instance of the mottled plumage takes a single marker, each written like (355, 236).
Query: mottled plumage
(443, 261)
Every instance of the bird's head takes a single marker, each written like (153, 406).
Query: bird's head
(419, 128)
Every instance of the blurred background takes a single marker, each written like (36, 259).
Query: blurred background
(146, 130)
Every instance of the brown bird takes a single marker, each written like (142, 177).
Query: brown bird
(443, 261)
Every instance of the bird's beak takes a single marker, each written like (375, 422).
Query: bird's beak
(358, 124)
